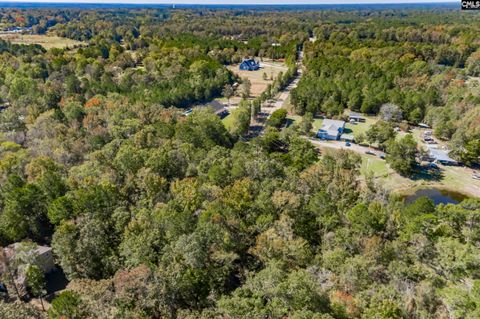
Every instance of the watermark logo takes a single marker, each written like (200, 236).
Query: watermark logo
(471, 5)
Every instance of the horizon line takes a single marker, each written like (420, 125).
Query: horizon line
(231, 2)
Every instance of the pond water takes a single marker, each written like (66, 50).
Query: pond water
(439, 196)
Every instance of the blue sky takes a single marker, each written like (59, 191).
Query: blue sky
(242, 1)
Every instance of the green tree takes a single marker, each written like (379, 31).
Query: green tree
(277, 118)
(380, 133)
(473, 64)
(305, 126)
(24, 212)
(256, 107)
(240, 120)
(401, 155)
(66, 305)
(368, 220)
(246, 88)
(202, 129)
(301, 153)
(463, 299)
(279, 242)
(19, 310)
(36, 282)
(471, 152)
(275, 293)
(228, 92)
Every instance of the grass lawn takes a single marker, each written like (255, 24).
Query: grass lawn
(292, 119)
(455, 178)
(45, 41)
(415, 132)
(375, 166)
(228, 121)
(460, 178)
(360, 128)
(317, 124)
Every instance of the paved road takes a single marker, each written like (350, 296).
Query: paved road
(257, 127)
(341, 145)
(286, 92)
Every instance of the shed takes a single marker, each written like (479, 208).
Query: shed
(357, 117)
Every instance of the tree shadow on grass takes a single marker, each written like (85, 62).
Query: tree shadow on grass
(289, 122)
(430, 174)
(347, 131)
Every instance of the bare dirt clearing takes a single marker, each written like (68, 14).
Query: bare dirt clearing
(259, 83)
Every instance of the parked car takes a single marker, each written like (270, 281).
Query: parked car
(187, 112)
(369, 153)
(476, 176)
(348, 144)
(382, 155)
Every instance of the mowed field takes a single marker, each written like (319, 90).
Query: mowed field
(256, 77)
(46, 41)
(357, 129)
(455, 178)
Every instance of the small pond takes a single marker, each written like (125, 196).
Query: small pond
(439, 196)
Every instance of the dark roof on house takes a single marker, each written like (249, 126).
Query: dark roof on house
(250, 62)
(216, 106)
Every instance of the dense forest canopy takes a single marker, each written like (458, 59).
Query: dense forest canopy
(152, 214)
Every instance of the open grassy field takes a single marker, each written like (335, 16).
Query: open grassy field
(45, 41)
(360, 128)
(457, 179)
(256, 77)
(374, 166)
(454, 178)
